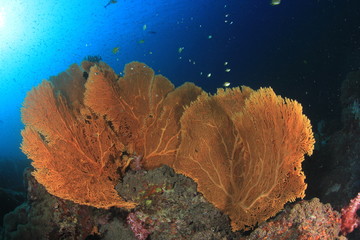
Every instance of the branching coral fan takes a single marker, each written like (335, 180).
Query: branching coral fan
(75, 153)
(244, 148)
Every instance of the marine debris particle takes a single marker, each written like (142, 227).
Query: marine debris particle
(227, 70)
(144, 27)
(209, 75)
(181, 49)
(210, 37)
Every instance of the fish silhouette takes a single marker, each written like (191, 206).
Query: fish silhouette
(110, 2)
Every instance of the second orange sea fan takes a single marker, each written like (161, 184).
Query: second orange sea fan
(245, 157)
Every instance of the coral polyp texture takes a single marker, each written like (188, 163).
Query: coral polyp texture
(244, 148)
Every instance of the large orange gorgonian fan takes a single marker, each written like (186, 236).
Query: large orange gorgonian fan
(244, 148)
(81, 146)
(245, 157)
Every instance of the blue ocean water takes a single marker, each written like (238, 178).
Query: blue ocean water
(302, 49)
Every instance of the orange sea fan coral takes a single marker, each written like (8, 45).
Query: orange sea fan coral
(244, 148)
(144, 108)
(71, 85)
(76, 156)
(78, 130)
(246, 158)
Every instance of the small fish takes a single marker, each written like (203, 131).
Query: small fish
(226, 84)
(227, 70)
(144, 27)
(275, 2)
(180, 49)
(115, 50)
(110, 2)
(141, 41)
(209, 75)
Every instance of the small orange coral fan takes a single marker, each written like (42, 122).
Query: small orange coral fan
(245, 158)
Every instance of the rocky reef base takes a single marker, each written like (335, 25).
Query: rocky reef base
(169, 208)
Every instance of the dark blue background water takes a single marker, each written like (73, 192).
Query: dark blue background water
(302, 48)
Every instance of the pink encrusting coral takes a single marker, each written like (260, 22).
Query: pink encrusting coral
(349, 219)
(137, 226)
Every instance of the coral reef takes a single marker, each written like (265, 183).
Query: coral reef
(243, 148)
(44, 216)
(171, 208)
(306, 220)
